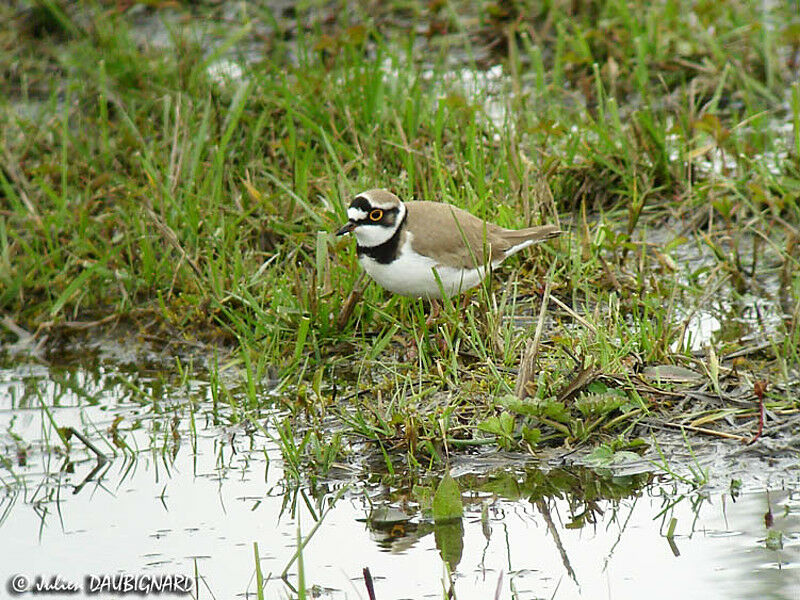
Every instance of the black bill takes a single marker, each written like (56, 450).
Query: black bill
(348, 227)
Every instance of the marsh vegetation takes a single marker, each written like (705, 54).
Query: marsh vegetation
(171, 176)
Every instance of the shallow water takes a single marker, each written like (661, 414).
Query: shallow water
(191, 492)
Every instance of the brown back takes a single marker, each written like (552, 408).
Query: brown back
(456, 238)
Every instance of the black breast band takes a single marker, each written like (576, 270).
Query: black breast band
(387, 251)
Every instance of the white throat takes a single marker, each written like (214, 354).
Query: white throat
(375, 235)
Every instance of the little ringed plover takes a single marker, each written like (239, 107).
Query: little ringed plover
(401, 244)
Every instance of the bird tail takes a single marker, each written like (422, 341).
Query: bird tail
(522, 238)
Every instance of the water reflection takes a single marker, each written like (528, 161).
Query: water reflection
(187, 488)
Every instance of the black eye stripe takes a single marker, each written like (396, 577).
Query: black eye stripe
(361, 203)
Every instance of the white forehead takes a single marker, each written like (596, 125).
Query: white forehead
(356, 214)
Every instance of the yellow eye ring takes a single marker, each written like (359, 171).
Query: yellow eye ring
(376, 215)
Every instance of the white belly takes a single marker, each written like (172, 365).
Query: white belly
(413, 275)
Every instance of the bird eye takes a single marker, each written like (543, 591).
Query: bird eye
(376, 215)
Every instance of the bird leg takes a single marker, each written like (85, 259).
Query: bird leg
(434, 313)
(465, 301)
